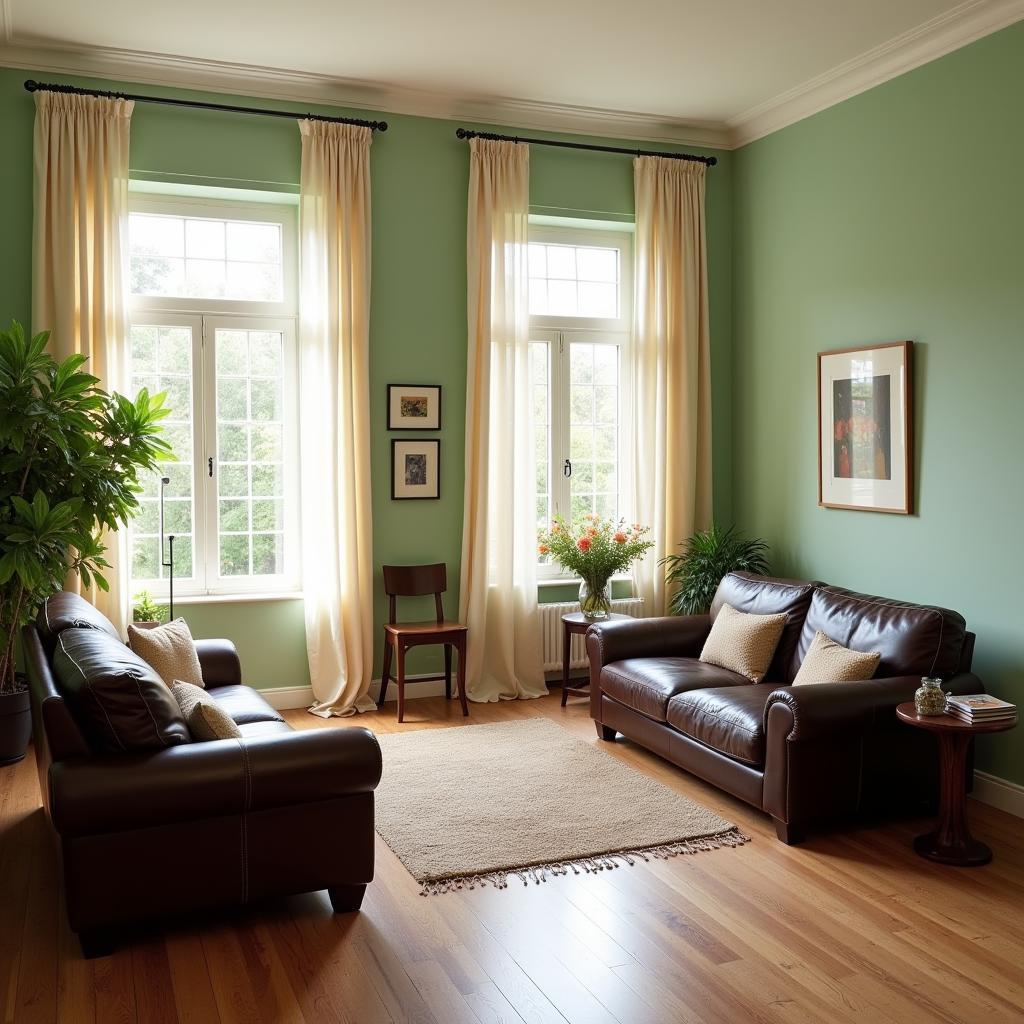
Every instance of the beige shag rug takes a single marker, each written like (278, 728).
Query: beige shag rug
(474, 805)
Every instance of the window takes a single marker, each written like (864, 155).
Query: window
(580, 309)
(213, 326)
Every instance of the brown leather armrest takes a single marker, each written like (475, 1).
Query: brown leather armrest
(822, 709)
(207, 780)
(219, 661)
(665, 637)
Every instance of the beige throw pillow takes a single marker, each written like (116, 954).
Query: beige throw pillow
(829, 662)
(205, 718)
(743, 642)
(170, 650)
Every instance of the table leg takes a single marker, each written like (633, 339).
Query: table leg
(566, 656)
(951, 842)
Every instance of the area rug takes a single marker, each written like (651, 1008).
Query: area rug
(479, 804)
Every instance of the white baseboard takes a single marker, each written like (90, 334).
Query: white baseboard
(997, 792)
(284, 698)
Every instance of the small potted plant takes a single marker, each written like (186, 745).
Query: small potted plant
(595, 550)
(146, 612)
(70, 460)
(707, 557)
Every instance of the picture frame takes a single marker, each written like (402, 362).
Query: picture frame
(415, 469)
(414, 407)
(865, 436)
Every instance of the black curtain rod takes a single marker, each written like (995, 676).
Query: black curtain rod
(466, 133)
(31, 86)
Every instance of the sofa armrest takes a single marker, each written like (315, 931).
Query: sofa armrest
(823, 709)
(665, 637)
(192, 781)
(219, 661)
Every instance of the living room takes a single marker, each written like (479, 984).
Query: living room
(450, 303)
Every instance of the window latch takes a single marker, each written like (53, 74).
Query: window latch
(567, 469)
(209, 466)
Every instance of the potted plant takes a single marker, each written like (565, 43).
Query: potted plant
(70, 459)
(707, 557)
(595, 550)
(146, 612)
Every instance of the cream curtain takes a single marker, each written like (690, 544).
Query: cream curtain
(334, 418)
(78, 261)
(671, 365)
(498, 587)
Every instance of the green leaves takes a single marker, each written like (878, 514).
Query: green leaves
(707, 557)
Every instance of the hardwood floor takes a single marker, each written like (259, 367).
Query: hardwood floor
(847, 927)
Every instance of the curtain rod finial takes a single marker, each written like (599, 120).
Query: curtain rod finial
(32, 85)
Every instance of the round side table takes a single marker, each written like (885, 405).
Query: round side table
(573, 623)
(951, 841)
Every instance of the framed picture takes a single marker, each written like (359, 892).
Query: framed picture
(415, 469)
(414, 407)
(865, 459)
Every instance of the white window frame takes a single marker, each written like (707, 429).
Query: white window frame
(204, 316)
(559, 332)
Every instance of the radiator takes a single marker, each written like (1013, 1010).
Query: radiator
(551, 630)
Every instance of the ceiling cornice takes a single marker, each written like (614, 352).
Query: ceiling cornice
(305, 87)
(957, 27)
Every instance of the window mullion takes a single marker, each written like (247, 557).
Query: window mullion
(562, 485)
(209, 449)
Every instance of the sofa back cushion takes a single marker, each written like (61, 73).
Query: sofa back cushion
(913, 639)
(120, 703)
(766, 595)
(69, 611)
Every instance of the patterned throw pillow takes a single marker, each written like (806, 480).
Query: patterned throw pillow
(743, 642)
(205, 718)
(829, 662)
(170, 650)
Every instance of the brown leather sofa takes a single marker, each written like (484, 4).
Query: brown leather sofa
(149, 823)
(807, 754)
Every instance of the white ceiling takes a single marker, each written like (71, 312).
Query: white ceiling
(714, 66)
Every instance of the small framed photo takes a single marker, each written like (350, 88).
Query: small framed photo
(865, 457)
(415, 469)
(414, 407)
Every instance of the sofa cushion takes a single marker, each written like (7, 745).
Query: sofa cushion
(170, 649)
(69, 611)
(743, 642)
(727, 719)
(244, 705)
(913, 639)
(647, 684)
(119, 702)
(829, 662)
(205, 718)
(768, 595)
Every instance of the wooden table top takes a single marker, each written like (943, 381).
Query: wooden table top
(579, 619)
(948, 723)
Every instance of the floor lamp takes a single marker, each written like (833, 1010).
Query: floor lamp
(169, 564)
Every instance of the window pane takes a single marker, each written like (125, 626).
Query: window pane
(606, 404)
(574, 280)
(204, 240)
(562, 298)
(267, 554)
(581, 361)
(538, 296)
(600, 300)
(268, 480)
(582, 404)
(268, 515)
(234, 555)
(265, 399)
(144, 342)
(233, 516)
(561, 262)
(232, 398)
(234, 480)
(175, 349)
(265, 353)
(251, 241)
(606, 364)
(205, 278)
(156, 235)
(232, 442)
(256, 282)
(157, 276)
(232, 353)
(538, 261)
(597, 264)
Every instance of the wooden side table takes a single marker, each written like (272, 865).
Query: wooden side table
(577, 623)
(951, 842)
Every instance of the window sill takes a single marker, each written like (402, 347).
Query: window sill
(282, 595)
(574, 581)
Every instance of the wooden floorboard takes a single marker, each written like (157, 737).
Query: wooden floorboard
(851, 926)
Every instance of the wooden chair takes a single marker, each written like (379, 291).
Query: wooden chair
(418, 581)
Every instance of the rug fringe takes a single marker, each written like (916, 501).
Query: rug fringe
(537, 873)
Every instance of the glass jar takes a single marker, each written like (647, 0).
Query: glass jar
(930, 698)
(595, 600)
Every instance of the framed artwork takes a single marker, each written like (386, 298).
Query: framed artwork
(414, 407)
(865, 459)
(415, 469)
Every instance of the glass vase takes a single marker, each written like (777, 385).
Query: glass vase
(929, 699)
(595, 600)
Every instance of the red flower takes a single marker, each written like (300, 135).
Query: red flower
(620, 538)
(583, 544)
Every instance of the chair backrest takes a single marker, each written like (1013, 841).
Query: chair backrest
(415, 581)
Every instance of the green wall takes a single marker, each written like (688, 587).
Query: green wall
(418, 316)
(897, 214)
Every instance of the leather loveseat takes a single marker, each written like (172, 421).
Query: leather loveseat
(149, 823)
(805, 754)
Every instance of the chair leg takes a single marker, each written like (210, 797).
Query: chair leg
(346, 898)
(447, 671)
(462, 677)
(385, 675)
(401, 683)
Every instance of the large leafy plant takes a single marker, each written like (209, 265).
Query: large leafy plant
(70, 459)
(707, 557)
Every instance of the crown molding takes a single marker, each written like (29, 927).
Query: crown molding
(6, 22)
(957, 27)
(305, 87)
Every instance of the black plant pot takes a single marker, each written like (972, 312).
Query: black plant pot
(15, 725)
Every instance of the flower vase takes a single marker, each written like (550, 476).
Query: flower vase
(595, 600)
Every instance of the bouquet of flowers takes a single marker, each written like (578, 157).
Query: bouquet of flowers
(595, 549)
